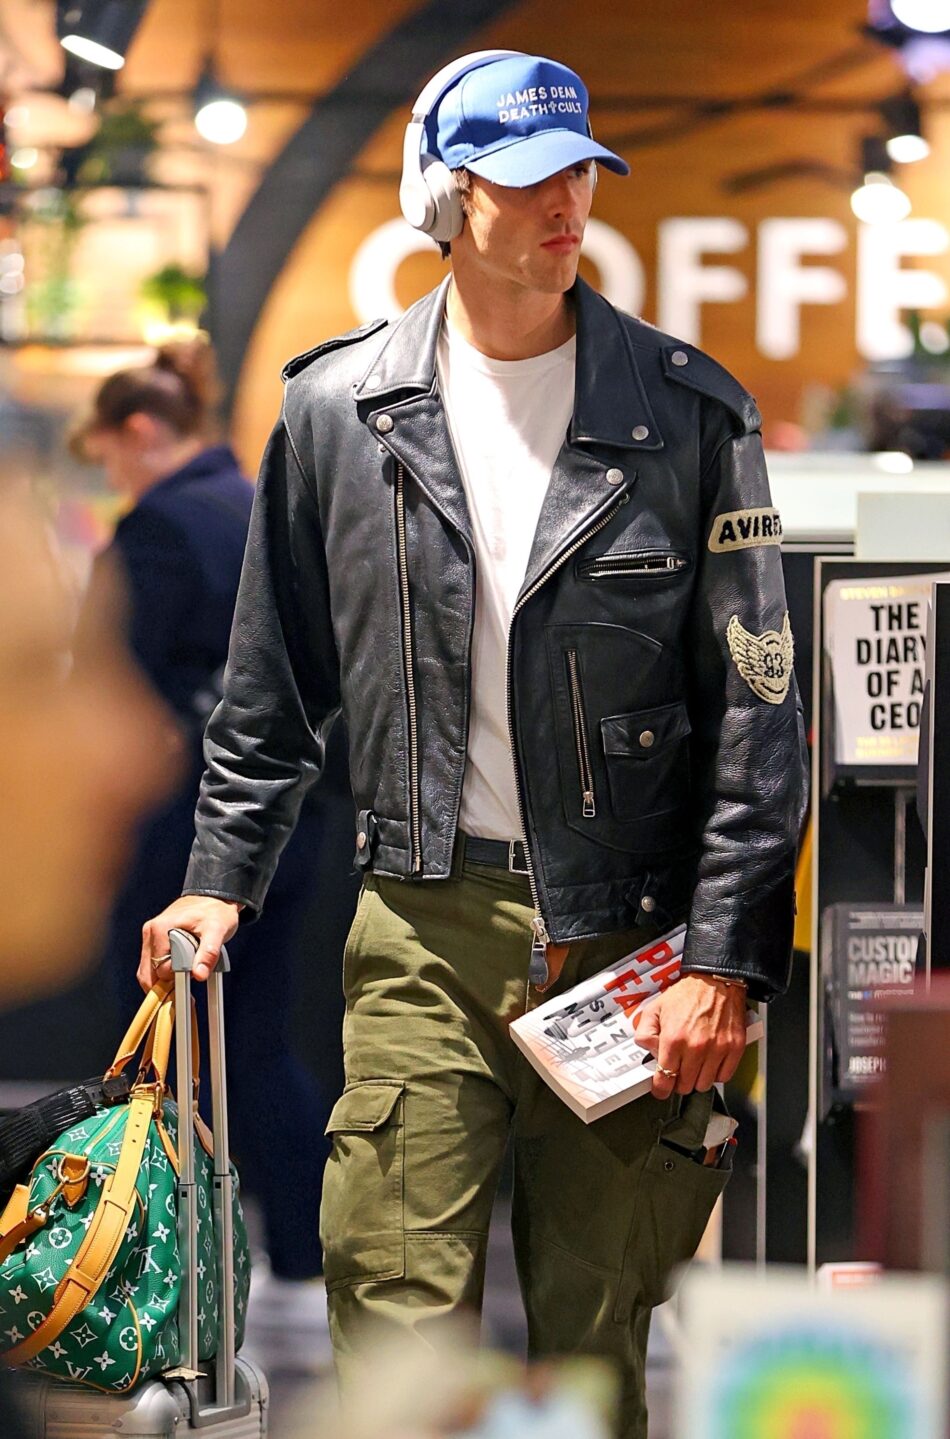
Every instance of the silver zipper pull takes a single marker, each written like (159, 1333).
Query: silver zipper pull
(538, 966)
(589, 810)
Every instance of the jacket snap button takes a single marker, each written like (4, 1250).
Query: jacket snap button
(640, 433)
(648, 904)
(668, 1165)
(647, 738)
(371, 382)
(615, 477)
(680, 357)
(384, 424)
(361, 839)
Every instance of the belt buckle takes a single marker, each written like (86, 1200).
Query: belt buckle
(512, 857)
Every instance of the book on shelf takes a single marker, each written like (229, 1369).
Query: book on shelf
(583, 1042)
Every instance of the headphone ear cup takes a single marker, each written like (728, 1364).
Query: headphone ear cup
(447, 218)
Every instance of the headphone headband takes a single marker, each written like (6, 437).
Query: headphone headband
(444, 79)
(427, 192)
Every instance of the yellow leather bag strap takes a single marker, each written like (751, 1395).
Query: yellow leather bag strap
(18, 1221)
(82, 1280)
(139, 1028)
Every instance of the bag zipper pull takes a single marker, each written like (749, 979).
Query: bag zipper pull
(538, 964)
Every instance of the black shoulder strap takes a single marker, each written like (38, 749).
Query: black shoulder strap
(686, 365)
(300, 362)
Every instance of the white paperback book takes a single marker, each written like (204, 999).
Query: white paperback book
(583, 1042)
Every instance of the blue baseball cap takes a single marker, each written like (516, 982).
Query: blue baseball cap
(515, 122)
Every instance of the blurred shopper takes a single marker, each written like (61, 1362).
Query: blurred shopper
(526, 544)
(80, 760)
(174, 566)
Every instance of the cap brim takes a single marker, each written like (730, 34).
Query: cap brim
(536, 157)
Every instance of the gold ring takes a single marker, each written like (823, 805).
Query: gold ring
(160, 960)
(668, 1073)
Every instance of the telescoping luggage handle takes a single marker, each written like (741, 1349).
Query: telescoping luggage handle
(227, 1401)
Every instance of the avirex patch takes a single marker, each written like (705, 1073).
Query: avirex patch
(764, 661)
(744, 530)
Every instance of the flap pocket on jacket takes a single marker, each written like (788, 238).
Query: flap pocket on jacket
(640, 734)
(647, 757)
(361, 1216)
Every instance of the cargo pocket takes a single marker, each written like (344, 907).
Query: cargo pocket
(361, 1216)
(677, 1196)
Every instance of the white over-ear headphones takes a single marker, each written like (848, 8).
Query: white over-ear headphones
(428, 194)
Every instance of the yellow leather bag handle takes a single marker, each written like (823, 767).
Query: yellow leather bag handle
(139, 1028)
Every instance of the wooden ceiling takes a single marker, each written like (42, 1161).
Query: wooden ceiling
(651, 67)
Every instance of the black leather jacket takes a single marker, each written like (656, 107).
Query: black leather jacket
(655, 724)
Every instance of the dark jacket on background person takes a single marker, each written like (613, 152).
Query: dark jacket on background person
(179, 551)
(655, 722)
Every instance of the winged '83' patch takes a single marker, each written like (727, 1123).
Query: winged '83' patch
(764, 661)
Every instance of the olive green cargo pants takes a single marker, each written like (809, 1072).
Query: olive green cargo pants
(433, 975)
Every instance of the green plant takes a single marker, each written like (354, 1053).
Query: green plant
(52, 224)
(119, 151)
(180, 294)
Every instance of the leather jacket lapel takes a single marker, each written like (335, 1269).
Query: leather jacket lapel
(418, 436)
(612, 417)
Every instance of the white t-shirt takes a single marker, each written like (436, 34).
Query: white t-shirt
(507, 420)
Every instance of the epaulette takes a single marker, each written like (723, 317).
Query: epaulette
(300, 362)
(692, 367)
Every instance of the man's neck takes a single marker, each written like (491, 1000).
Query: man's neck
(511, 325)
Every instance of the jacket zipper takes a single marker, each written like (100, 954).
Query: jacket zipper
(538, 967)
(612, 565)
(415, 832)
(584, 768)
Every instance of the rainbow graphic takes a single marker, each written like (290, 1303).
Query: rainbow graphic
(814, 1380)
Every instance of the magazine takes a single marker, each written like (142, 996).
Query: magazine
(583, 1043)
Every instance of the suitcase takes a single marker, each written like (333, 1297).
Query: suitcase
(232, 1402)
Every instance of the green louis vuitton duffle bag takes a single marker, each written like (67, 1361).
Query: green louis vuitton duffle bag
(90, 1271)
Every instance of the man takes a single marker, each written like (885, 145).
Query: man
(526, 544)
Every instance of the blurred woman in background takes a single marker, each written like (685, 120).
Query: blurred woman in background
(172, 571)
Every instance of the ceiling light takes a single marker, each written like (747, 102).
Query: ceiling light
(929, 16)
(907, 149)
(879, 202)
(99, 31)
(905, 142)
(221, 121)
(219, 117)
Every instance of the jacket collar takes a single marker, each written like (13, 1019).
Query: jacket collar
(610, 401)
(215, 460)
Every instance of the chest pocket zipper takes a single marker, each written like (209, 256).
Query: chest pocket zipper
(647, 564)
(582, 748)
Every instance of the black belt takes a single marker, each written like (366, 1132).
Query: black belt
(506, 854)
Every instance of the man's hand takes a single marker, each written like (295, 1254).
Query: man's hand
(212, 921)
(696, 1029)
